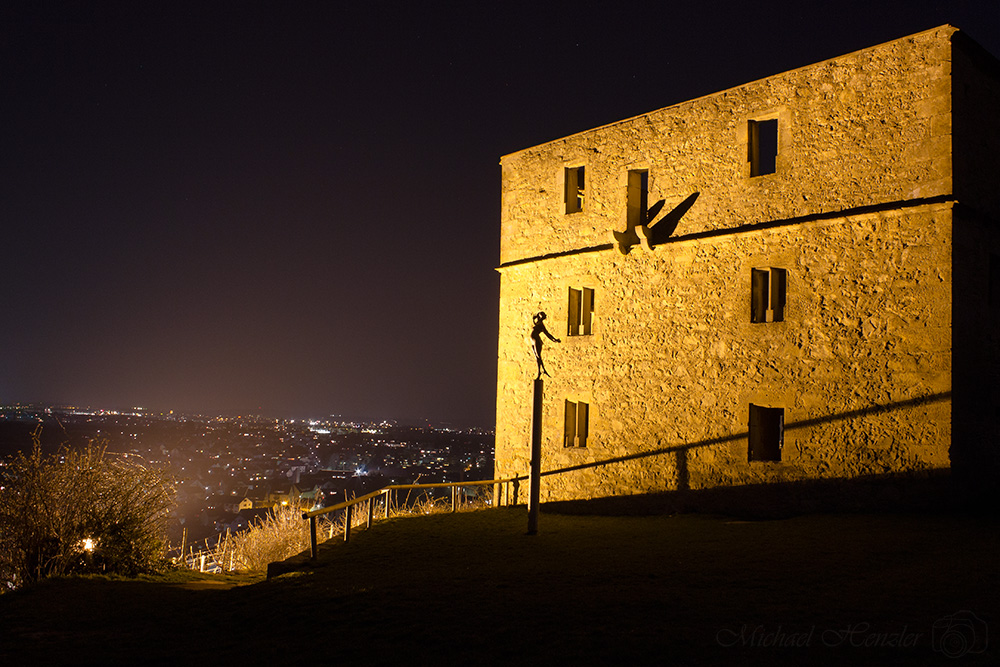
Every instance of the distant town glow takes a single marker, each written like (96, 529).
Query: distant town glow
(230, 470)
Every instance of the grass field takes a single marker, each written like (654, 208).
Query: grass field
(473, 588)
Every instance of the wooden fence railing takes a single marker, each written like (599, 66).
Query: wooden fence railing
(511, 485)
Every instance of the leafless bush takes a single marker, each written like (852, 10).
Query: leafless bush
(80, 511)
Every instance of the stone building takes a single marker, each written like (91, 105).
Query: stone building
(793, 280)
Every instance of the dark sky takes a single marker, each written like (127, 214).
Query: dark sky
(293, 207)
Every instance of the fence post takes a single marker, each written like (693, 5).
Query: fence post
(386, 496)
(312, 538)
(371, 511)
(454, 498)
(516, 484)
(496, 495)
(347, 523)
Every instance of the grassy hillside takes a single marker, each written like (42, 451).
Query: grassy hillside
(472, 587)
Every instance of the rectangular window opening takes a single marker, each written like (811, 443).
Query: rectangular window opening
(575, 186)
(767, 433)
(762, 146)
(577, 424)
(637, 197)
(767, 294)
(581, 312)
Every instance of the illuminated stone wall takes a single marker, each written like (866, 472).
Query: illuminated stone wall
(867, 128)
(860, 215)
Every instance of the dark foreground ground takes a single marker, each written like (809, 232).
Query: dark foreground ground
(473, 588)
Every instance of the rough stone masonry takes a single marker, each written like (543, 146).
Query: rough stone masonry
(795, 279)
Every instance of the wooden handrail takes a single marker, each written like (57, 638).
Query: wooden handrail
(348, 504)
(343, 505)
(395, 487)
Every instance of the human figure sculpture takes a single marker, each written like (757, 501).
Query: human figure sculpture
(536, 337)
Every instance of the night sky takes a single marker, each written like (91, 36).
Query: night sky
(292, 208)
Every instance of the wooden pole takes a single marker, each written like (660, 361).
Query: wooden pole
(347, 523)
(534, 493)
(371, 511)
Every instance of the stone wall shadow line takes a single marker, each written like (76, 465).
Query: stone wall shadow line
(751, 227)
(805, 423)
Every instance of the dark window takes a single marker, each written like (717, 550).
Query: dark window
(767, 295)
(762, 146)
(577, 424)
(581, 311)
(767, 433)
(637, 201)
(574, 189)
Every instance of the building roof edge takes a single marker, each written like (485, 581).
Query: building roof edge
(949, 29)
